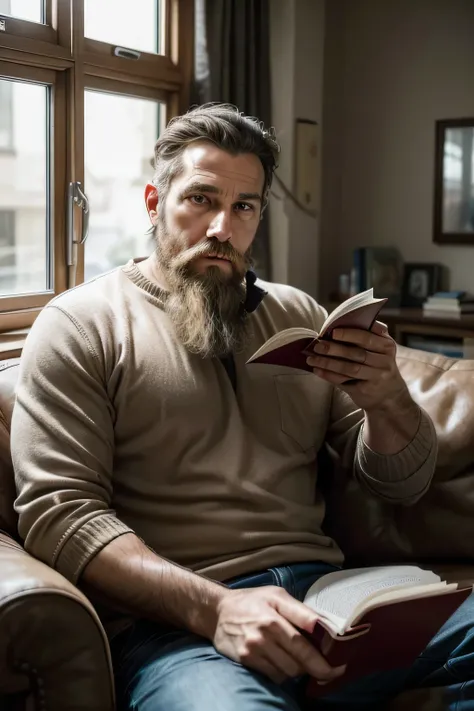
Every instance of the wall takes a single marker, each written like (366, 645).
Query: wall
(391, 69)
(296, 61)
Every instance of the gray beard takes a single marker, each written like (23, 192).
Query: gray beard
(206, 309)
(208, 315)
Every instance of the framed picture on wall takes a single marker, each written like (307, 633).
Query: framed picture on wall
(420, 280)
(453, 221)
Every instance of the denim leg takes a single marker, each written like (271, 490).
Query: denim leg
(178, 671)
(448, 660)
(159, 669)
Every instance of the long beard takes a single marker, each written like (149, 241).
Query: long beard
(206, 309)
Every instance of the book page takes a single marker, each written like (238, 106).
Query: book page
(401, 593)
(281, 339)
(360, 311)
(353, 302)
(335, 596)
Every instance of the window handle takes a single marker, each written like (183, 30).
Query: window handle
(76, 197)
(126, 53)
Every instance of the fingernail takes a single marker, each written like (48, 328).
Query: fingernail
(338, 671)
(322, 683)
(308, 353)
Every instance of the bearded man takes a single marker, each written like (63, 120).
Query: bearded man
(177, 484)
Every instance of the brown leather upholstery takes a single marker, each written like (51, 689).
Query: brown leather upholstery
(53, 650)
(8, 377)
(440, 527)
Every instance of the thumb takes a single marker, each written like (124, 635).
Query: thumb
(297, 613)
(379, 328)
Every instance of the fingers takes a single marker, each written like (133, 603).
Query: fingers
(369, 340)
(265, 666)
(286, 666)
(308, 659)
(345, 369)
(340, 350)
(380, 328)
(296, 612)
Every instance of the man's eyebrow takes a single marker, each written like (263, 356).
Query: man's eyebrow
(250, 196)
(199, 187)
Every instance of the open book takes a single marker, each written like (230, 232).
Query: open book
(375, 619)
(288, 347)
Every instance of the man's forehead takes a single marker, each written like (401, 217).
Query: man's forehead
(207, 160)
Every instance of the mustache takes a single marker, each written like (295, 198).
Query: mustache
(213, 249)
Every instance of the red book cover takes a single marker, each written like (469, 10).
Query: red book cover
(293, 354)
(388, 637)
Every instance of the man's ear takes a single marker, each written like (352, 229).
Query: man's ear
(151, 202)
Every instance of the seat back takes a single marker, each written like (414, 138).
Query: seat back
(440, 526)
(8, 379)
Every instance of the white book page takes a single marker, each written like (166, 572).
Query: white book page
(401, 593)
(282, 338)
(335, 596)
(354, 302)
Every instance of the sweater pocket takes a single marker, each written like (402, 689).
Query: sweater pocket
(303, 400)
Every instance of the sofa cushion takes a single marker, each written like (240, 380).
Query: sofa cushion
(441, 525)
(8, 378)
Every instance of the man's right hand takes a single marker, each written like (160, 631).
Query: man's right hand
(259, 627)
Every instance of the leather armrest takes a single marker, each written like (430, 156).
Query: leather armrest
(51, 640)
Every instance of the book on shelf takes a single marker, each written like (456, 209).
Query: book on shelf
(377, 619)
(289, 347)
(446, 303)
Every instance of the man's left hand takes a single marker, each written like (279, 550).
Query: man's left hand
(362, 364)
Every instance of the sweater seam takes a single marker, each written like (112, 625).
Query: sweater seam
(397, 499)
(79, 328)
(73, 529)
(401, 451)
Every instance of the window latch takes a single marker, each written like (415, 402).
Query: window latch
(76, 198)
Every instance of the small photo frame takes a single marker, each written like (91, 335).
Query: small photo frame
(420, 280)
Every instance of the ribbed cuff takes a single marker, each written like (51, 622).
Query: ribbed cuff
(86, 542)
(406, 475)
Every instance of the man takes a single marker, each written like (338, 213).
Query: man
(153, 464)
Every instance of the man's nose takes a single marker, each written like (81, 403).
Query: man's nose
(221, 227)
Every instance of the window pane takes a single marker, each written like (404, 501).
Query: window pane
(120, 133)
(122, 23)
(32, 10)
(24, 158)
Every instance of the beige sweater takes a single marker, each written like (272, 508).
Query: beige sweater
(118, 428)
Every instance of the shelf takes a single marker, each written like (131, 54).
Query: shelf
(417, 316)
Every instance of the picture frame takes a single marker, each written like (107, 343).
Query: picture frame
(453, 215)
(420, 280)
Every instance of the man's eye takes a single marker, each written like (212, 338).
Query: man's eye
(198, 199)
(244, 206)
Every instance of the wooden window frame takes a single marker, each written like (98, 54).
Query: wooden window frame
(51, 39)
(74, 63)
(31, 303)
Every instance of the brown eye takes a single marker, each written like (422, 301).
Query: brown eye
(198, 199)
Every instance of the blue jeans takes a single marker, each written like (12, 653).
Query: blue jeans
(164, 669)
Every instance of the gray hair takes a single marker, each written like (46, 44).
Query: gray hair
(226, 127)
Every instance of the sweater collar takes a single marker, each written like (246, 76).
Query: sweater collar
(254, 296)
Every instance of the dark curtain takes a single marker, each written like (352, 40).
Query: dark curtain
(233, 65)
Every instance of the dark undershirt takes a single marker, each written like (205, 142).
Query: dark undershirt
(229, 365)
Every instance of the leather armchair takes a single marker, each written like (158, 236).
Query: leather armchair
(54, 653)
